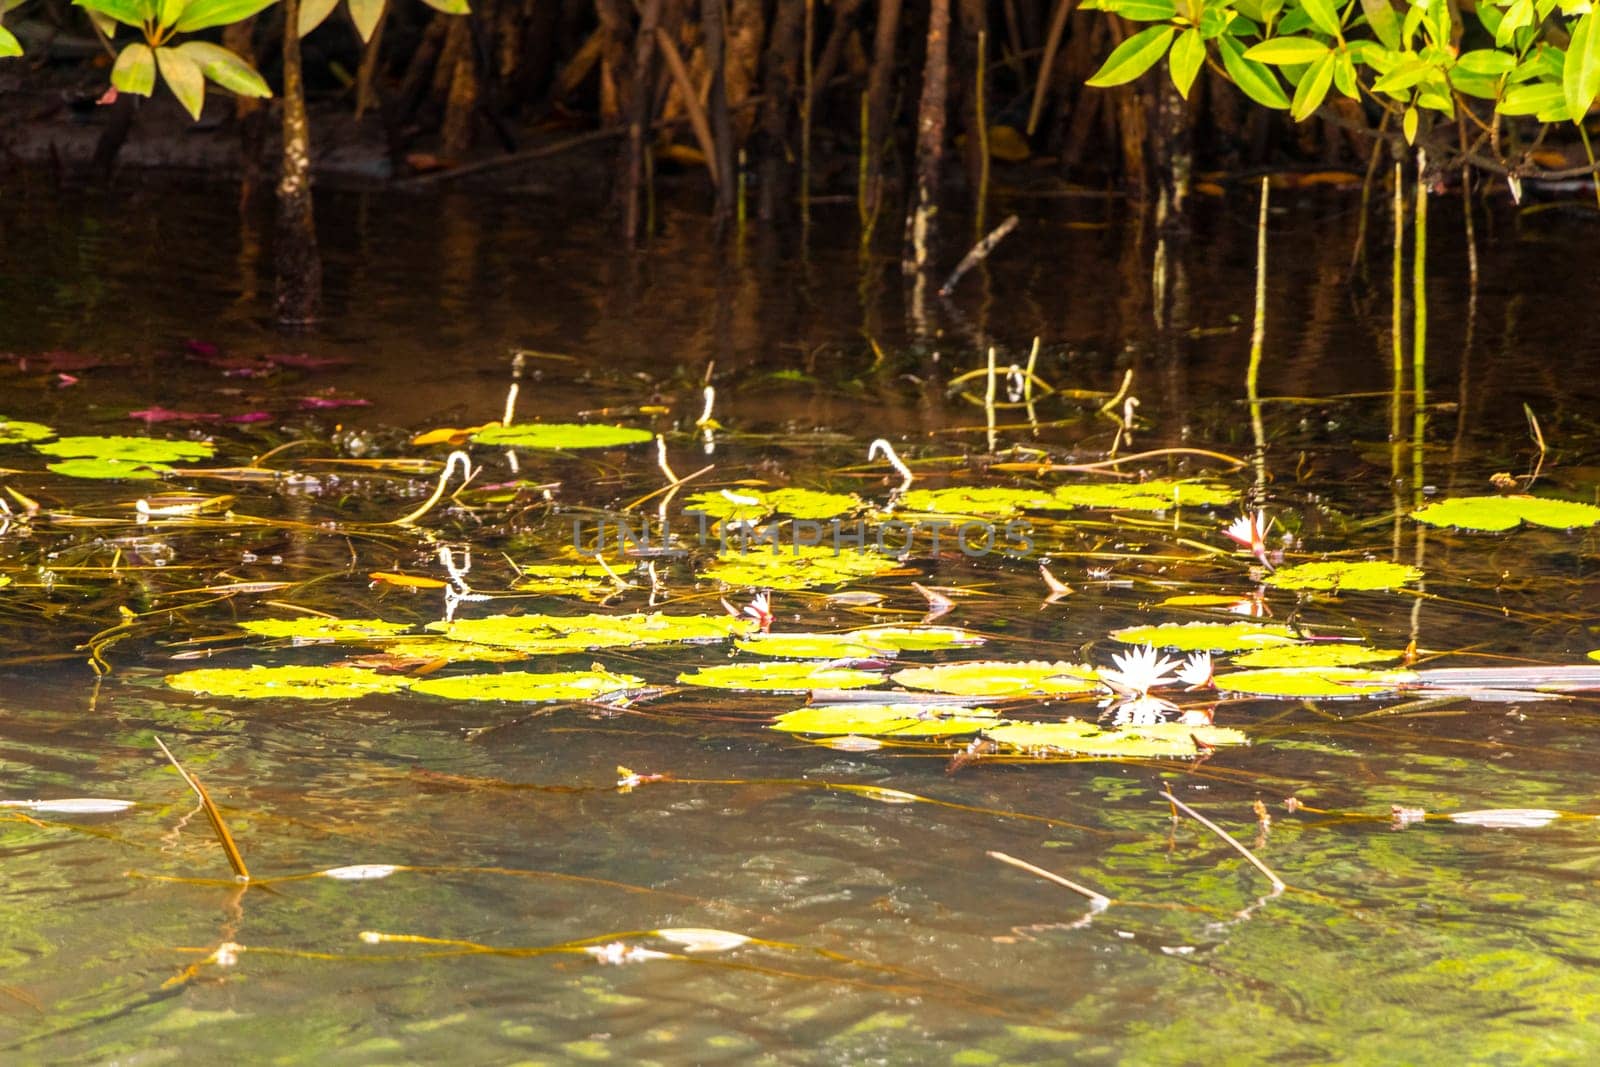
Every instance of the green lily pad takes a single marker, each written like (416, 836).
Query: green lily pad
(779, 677)
(128, 449)
(538, 634)
(885, 720)
(1491, 513)
(752, 505)
(109, 470)
(1329, 682)
(916, 638)
(561, 435)
(1320, 654)
(1349, 577)
(993, 678)
(990, 502)
(18, 432)
(528, 687)
(1207, 636)
(294, 682)
(1075, 737)
(310, 628)
(432, 649)
(1159, 495)
(796, 566)
(806, 646)
(588, 581)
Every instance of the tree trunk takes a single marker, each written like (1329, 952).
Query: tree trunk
(922, 219)
(878, 88)
(299, 267)
(783, 74)
(641, 95)
(721, 121)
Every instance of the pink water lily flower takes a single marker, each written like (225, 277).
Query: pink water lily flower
(1251, 532)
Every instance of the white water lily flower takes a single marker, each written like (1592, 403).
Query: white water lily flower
(1196, 671)
(1137, 672)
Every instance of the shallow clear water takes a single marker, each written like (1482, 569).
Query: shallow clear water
(895, 939)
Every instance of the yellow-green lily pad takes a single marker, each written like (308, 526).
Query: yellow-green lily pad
(978, 501)
(916, 638)
(311, 628)
(19, 432)
(1352, 576)
(1492, 513)
(128, 449)
(1318, 654)
(752, 505)
(1075, 737)
(585, 580)
(994, 678)
(529, 687)
(1326, 682)
(885, 720)
(796, 566)
(292, 682)
(561, 435)
(545, 634)
(1158, 495)
(806, 646)
(1207, 636)
(779, 677)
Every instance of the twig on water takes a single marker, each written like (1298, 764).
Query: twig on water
(979, 253)
(1278, 885)
(1097, 901)
(224, 838)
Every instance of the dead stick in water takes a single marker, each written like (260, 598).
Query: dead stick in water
(1278, 885)
(1098, 901)
(224, 838)
(979, 253)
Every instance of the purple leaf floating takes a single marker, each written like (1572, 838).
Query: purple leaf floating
(305, 361)
(161, 414)
(203, 349)
(49, 362)
(322, 403)
(251, 416)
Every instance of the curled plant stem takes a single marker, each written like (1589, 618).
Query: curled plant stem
(893, 459)
(467, 474)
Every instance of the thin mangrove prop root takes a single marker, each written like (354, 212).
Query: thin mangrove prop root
(1278, 885)
(629, 780)
(509, 415)
(1097, 901)
(880, 445)
(467, 473)
(218, 826)
(1110, 406)
(988, 401)
(978, 254)
(1258, 337)
(1047, 63)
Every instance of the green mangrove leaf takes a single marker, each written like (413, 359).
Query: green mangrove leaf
(1143, 496)
(9, 45)
(1319, 654)
(135, 69)
(994, 678)
(796, 566)
(1491, 513)
(146, 450)
(752, 505)
(1207, 636)
(885, 720)
(18, 432)
(294, 682)
(1133, 57)
(529, 687)
(984, 502)
(780, 677)
(311, 628)
(588, 581)
(806, 646)
(537, 634)
(1313, 682)
(1351, 576)
(561, 435)
(1075, 737)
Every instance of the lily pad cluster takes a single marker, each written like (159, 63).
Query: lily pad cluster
(336, 682)
(560, 436)
(118, 457)
(1493, 513)
(790, 566)
(752, 505)
(996, 502)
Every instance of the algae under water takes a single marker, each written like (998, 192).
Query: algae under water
(573, 879)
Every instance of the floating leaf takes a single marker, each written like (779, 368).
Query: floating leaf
(538, 634)
(780, 677)
(806, 646)
(402, 652)
(1492, 513)
(917, 638)
(1506, 818)
(312, 628)
(18, 432)
(293, 682)
(994, 678)
(1319, 654)
(1352, 576)
(752, 505)
(529, 687)
(885, 720)
(72, 805)
(360, 872)
(1143, 496)
(796, 566)
(128, 449)
(589, 581)
(977, 501)
(561, 435)
(1207, 636)
(700, 939)
(1595, 654)
(1075, 737)
(1314, 682)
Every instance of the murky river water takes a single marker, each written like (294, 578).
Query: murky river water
(891, 937)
